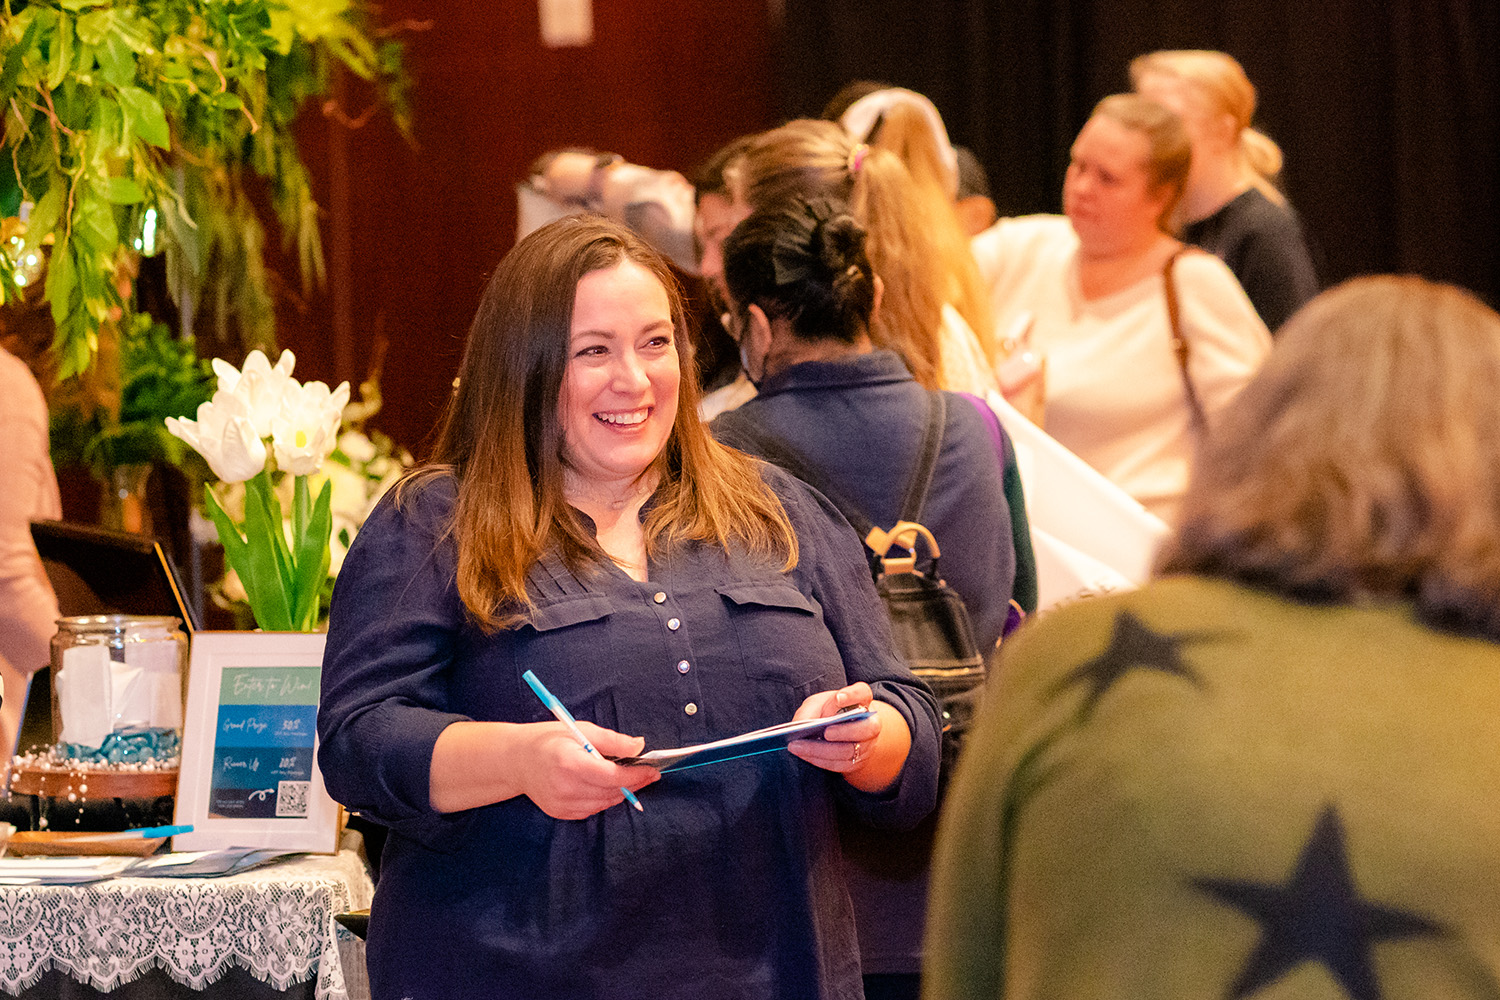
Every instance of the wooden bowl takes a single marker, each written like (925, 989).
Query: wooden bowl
(92, 784)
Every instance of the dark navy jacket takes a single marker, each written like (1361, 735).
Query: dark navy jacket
(729, 884)
(860, 421)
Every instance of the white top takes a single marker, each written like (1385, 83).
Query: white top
(28, 610)
(962, 363)
(1114, 392)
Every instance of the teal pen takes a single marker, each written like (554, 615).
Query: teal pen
(560, 712)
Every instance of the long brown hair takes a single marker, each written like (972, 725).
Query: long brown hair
(1363, 459)
(501, 437)
(916, 243)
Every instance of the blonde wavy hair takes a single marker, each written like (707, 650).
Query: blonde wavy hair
(916, 243)
(1218, 82)
(1363, 459)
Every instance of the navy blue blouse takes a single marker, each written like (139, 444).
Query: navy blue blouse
(729, 884)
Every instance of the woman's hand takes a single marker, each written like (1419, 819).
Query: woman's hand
(567, 782)
(869, 754)
(478, 763)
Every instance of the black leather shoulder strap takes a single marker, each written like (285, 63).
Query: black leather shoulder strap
(932, 440)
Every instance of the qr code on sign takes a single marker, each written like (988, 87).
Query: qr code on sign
(291, 798)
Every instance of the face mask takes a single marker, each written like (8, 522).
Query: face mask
(745, 367)
(737, 329)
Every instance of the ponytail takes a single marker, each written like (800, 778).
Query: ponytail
(1261, 154)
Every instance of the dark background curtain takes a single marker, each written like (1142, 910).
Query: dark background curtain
(1388, 111)
(412, 232)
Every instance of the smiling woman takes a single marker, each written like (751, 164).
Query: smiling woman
(580, 523)
(619, 401)
(619, 396)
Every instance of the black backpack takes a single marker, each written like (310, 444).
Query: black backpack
(929, 620)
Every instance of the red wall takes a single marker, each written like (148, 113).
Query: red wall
(411, 232)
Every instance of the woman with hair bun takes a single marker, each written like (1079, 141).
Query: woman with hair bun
(1231, 206)
(935, 314)
(804, 298)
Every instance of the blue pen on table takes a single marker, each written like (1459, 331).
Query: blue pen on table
(562, 715)
(144, 832)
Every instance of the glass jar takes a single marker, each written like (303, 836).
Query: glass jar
(118, 686)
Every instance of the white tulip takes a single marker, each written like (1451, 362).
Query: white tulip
(305, 429)
(234, 587)
(357, 446)
(264, 389)
(225, 436)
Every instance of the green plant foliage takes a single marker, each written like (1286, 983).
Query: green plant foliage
(160, 377)
(282, 580)
(117, 108)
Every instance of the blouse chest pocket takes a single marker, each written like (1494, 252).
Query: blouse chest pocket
(566, 644)
(782, 637)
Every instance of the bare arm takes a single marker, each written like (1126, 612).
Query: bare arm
(478, 763)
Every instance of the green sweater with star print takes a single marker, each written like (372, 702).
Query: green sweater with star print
(1200, 790)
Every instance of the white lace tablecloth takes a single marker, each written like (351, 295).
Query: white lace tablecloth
(276, 922)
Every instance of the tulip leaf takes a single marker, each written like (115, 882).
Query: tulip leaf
(268, 543)
(312, 553)
(259, 575)
(301, 509)
(263, 509)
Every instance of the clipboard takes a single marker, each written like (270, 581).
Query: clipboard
(745, 745)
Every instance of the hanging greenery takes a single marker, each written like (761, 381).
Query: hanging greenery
(160, 376)
(130, 125)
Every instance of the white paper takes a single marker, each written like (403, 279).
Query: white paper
(169, 860)
(84, 689)
(160, 704)
(566, 23)
(60, 870)
(1094, 536)
(130, 696)
(1064, 574)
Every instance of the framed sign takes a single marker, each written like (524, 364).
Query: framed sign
(249, 768)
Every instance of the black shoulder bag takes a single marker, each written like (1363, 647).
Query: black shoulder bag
(929, 620)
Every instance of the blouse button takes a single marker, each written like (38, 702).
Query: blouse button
(674, 624)
(682, 666)
(691, 708)
(659, 597)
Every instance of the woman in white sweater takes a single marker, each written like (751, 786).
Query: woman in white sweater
(1087, 292)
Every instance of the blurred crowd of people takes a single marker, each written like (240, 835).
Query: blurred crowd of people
(1155, 766)
(1229, 547)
